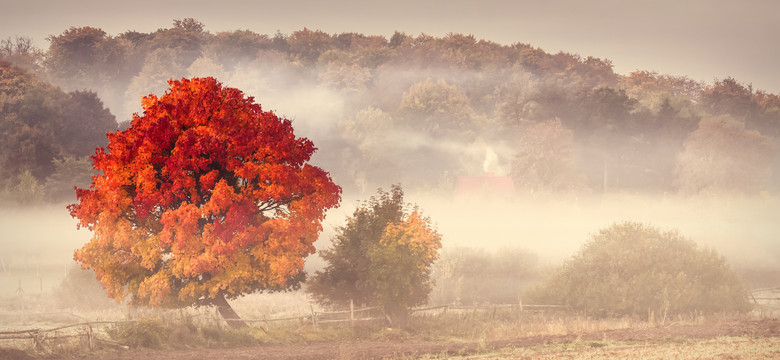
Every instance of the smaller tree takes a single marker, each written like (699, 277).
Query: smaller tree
(68, 171)
(382, 257)
(722, 155)
(729, 97)
(630, 268)
(544, 160)
(21, 52)
(400, 271)
(438, 109)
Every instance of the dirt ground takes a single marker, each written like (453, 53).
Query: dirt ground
(410, 348)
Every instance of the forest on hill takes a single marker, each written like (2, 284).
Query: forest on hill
(417, 110)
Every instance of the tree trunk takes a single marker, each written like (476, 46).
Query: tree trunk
(227, 312)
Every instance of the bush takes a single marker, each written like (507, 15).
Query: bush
(631, 268)
(148, 333)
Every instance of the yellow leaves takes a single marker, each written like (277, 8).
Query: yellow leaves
(147, 251)
(415, 233)
(155, 288)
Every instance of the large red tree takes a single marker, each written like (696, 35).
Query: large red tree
(205, 198)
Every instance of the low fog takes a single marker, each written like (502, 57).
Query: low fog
(38, 242)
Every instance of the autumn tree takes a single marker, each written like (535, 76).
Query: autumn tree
(75, 51)
(87, 57)
(368, 138)
(381, 257)
(347, 78)
(544, 159)
(86, 121)
(236, 47)
(722, 155)
(438, 109)
(606, 126)
(40, 125)
(68, 171)
(513, 104)
(306, 45)
(21, 52)
(730, 97)
(29, 124)
(768, 120)
(186, 39)
(204, 198)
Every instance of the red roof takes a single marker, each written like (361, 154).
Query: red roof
(485, 185)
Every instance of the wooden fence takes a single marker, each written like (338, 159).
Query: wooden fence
(89, 333)
(43, 337)
(766, 295)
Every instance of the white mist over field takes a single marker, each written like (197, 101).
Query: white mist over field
(744, 230)
(36, 248)
(38, 243)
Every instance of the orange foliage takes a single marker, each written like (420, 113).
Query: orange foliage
(205, 195)
(417, 235)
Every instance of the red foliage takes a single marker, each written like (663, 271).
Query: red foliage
(205, 195)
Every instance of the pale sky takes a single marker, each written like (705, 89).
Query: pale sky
(705, 40)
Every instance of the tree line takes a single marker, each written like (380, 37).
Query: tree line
(420, 110)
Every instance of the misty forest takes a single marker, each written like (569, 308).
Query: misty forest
(423, 171)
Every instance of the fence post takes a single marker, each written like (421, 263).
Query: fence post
(351, 313)
(387, 317)
(754, 298)
(313, 317)
(90, 337)
(39, 339)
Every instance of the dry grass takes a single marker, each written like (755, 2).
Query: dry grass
(721, 348)
(511, 323)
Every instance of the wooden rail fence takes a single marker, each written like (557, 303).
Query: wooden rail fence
(89, 330)
(41, 336)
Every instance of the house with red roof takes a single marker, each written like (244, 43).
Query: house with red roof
(487, 185)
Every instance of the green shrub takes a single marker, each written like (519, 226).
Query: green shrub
(631, 268)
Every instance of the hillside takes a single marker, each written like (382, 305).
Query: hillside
(418, 110)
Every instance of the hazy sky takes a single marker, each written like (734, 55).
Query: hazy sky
(702, 39)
